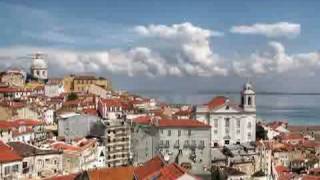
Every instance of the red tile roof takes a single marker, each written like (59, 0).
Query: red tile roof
(112, 102)
(142, 120)
(281, 169)
(7, 154)
(116, 173)
(115, 103)
(189, 123)
(18, 123)
(64, 177)
(171, 172)
(216, 102)
(149, 168)
(291, 136)
(286, 176)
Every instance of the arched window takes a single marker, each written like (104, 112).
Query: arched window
(249, 100)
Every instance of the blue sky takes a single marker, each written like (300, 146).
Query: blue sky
(89, 30)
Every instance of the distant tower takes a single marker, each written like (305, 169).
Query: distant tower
(39, 67)
(248, 98)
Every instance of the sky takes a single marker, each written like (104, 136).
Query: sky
(167, 45)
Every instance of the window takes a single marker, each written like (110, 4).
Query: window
(201, 143)
(15, 168)
(24, 164)
(189, 132)
(249, 100)
(227, 130)
(167, 144)
(215, 131)
(249, 124)
(161, 131)
(227, 122)
(238, 131)
(7, 170)
(179, 132)
(161, 142)
(227, 107)
(169, 132)
(216, 123)
(249, 135)
(238, 123)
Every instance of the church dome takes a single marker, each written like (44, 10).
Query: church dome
(39, 63)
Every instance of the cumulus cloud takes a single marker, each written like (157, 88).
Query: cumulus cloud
(187, 52)
(190, 54)
(277, 61)
(280, 29)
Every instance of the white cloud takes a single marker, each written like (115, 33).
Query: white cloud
(280, 29)
(192, 50)
(277, 61)
(190, 54)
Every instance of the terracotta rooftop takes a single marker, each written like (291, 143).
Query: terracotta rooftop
(216, 102)
(188, 123)
(26, 150)
(142, 120)
(149, 168)
(18, 123)
(123, 173)
(171, 172)
(8, 154)
(63, 177)
(291, 136)
(112, 102)
(281, 169)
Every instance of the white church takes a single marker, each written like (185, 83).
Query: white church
(39, 67)
(231, 123)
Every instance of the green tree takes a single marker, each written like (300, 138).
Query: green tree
(260, 132)
(72, 96)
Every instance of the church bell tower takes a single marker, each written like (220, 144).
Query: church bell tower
(248, 98)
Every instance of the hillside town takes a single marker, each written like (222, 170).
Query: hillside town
(79, 127)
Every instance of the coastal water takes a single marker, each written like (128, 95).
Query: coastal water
(295, 108)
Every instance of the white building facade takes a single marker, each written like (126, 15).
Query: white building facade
(231, 123)
(39, 67)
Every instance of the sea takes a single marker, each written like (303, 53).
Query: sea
(297, 109)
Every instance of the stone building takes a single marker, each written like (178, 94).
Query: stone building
(78, 155)
(13, 77)
(81, 83)
(53, 88)
(38, 162)
(231, 123)
(10, 163)
(184, 141)
(39, 67)
(73, 125)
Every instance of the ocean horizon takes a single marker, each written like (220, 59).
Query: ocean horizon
(295, 107)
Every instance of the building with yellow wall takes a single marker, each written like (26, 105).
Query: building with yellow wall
(81, 83)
